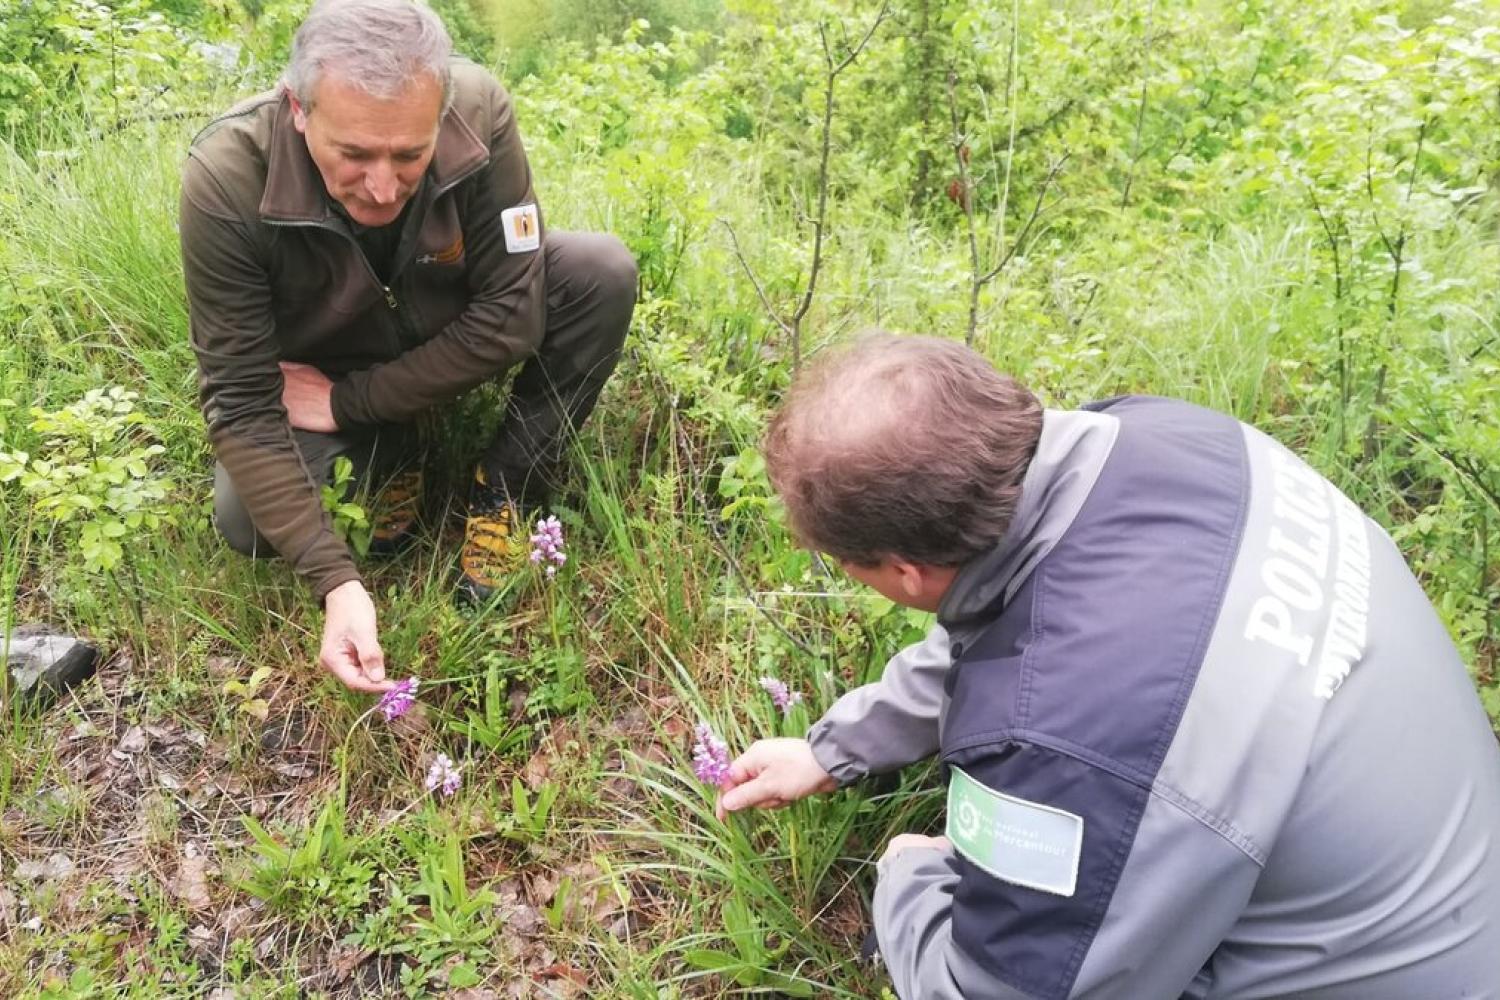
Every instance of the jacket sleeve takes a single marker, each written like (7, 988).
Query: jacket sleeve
(888, 724)
(503, 321)
(240, 384)
(913, 921)
(1156, 889)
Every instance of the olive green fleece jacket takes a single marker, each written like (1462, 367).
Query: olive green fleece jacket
(274, 274)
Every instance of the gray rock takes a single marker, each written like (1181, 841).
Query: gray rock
(44, 665)
(58, 866)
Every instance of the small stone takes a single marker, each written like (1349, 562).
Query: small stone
(222, 667)
(58, 866)
(235, 919)
(44, 665)
(202, 940)
(191, 884)
(81, 731)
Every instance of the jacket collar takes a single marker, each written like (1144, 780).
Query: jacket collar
(1070, 454)
(294, 188)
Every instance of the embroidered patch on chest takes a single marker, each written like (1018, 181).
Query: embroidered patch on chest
(523, 228)
(1014, 840)
(448, 255)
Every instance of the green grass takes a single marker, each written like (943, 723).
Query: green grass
(580, 856)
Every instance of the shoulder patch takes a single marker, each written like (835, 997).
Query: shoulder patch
(523, 230)
(1016, 841)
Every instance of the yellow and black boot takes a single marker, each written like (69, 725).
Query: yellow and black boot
(394, 517)
(495, 541)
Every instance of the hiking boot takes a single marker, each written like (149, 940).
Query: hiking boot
(495, 541)
(395, 509)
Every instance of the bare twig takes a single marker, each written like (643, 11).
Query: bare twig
(1416, 157)
(1012, 110)
(1370, 192)
(1036, 211)
(819, 224)
(1488, 342)
(1467, 470)
(1140, 114)
(159, 116)
(977, 278)
(961, 150)
(749, 273)
(1065, 303)
(114, 83)
(1052, 118)
(792, 325)
(966, 203)
(723, 549)
(1398, 254)
(1397, 250)
(925, 46)
(1334, 243)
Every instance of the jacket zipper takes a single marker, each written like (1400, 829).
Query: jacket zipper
(385, 290)
(394, 306)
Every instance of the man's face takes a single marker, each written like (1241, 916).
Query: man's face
(371, 151)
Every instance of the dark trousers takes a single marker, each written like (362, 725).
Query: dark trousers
(591, 286)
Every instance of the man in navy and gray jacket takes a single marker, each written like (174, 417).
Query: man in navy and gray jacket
(1203, 734)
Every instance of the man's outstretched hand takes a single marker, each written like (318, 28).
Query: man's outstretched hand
(307, 395)
(351, 649)
(771, 774)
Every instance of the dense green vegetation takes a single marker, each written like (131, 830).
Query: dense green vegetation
(1283, 210)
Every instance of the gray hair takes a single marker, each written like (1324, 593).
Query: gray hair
(913, 447)
(379, 46)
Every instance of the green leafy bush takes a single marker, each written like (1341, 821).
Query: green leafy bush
(98, 479)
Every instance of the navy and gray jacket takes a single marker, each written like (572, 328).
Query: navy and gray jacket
(1234, 750)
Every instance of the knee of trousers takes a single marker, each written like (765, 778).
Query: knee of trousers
(616, 277)
(233, 520)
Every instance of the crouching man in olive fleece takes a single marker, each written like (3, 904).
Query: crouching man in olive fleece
(361, 245)
(1203, 734)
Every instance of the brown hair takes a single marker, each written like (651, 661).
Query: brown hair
(905, 446)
